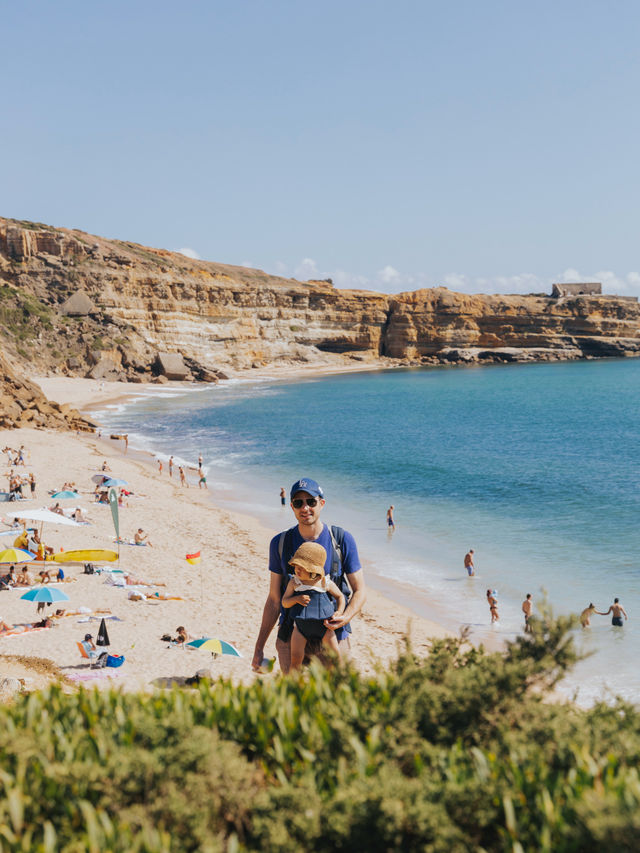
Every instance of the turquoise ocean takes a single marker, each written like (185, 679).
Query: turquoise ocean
(536, 467)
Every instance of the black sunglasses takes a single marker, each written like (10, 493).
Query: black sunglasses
(300, 502)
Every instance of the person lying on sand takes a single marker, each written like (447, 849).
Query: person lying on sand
(3, 626)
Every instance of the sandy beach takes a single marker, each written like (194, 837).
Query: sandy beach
(222, 597)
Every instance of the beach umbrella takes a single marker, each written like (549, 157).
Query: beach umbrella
(42, 515)
(103, 637)
(45, 593)
(65, 495)
(15, 555)
(215, 646)
(114, 483)
(86, 555)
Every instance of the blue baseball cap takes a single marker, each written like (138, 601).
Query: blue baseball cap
(308, 486)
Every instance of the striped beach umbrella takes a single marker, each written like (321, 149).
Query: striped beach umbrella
(215, 646)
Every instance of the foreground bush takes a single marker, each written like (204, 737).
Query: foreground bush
(453, 752)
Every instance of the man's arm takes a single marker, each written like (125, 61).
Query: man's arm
(356, 602)
(269, 618)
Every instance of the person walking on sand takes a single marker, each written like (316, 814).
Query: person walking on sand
(342, 564)
(617, 611)
(492, 598)
(390, 522)
(171, 466)
(202, 480)
(183, 479)
(159, 466)
(527, 604)
(468, 562)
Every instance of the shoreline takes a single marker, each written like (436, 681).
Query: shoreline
(410, 597)
(211, 599)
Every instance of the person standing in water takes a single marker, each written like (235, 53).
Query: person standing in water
(617, 611)
(492, 598)
(468, 563)
(390, 522)
(527, 605)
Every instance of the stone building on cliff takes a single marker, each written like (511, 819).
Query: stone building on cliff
(583, 288)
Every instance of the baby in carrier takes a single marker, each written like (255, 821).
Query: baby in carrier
(310, 594)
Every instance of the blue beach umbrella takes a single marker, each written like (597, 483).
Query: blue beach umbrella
(65, 495)
(45, 593)
(114, 483)
(215, 646)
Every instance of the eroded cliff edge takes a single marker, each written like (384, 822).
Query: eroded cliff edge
(79, 304)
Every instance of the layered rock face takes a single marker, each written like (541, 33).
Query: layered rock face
(22, 404)
(448, 326)
(84, 305)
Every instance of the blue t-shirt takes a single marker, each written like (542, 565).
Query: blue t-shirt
(350, 559)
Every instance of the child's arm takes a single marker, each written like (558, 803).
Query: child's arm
(290, 598)
(334, 590)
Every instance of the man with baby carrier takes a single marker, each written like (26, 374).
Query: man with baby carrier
(341, 565)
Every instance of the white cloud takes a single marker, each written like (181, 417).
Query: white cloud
(190, 253)
(247, 264)
(307, 268)
(389, 275)
(390, 279)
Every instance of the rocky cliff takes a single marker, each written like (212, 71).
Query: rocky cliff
(74, 303)
(22, 404)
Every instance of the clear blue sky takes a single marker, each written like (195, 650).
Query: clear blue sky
(488, 146)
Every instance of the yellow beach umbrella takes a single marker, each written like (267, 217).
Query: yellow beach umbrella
(15, 555)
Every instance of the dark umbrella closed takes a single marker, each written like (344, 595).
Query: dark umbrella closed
(103, 638)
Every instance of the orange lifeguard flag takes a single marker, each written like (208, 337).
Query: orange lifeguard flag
(194, 559)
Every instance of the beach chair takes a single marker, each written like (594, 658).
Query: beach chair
(96, 659)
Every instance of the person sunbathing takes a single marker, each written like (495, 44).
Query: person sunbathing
(24, 578)
(182, 636)
(141, 538)
(45, 577)
(4, 627)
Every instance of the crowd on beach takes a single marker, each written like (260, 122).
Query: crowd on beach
(202, 477)
(316, 586)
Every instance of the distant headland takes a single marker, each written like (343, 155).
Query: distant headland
(75, 304)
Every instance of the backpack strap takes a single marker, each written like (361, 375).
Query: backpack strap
(285, 550)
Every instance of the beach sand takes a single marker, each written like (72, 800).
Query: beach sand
(222, 597)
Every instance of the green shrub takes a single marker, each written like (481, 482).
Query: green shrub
(454, 752)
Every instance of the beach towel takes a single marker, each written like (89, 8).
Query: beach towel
(20, 630)
(93, 674)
